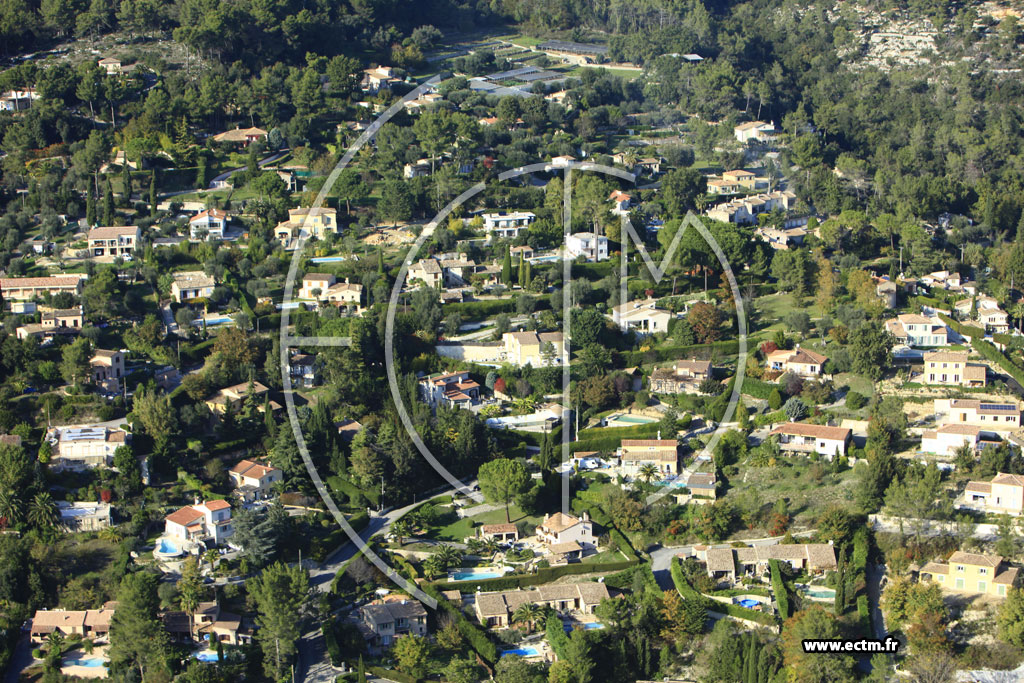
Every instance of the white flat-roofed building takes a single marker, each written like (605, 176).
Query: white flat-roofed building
(502, 225)
(85, 447)
(84, 516)
(591, 246)
(642, 317)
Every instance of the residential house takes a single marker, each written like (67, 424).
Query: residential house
(1005, 493)
(745, 210)
(241, 136)
(589, 245)
(703, 487)
(988, 575)
(800, 437)
(29, 288)
(495, 610)
(745, 179)
(634, 454)
(191, 284)
(84, 447)
(456, 269)
(18, 100)
(379, 78)
(304, 370)
(345, 293)
(200, 522)
(562, 161)
(524, 251)
(947, 439)
(93, 624)
(107, 368)
(381, 623)
(209, 624)
(1000, 418)
(235, 397)
(114, 241)
(562, 528)
(943, 279)
(952, 369)
(539, 349)
(754, 130)
(642, 317)
(427, 271)
(208, 225)
(983, 303)
(728, 564)
(452, 389)
(417, 169)
(621, 202)
(502, 533)
(315, 285)
(347, 428)
(718, 185)
(67, 318)
(995, 320)
(308, 222)
(683, 377)
(111, 65)
(798, 361)
(650, 165)
(886, 290)
(781, 238)
(84, 516)
(507, 225)
(254, 480)
(913, 329)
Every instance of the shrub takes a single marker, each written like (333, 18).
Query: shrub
(855, 400)
(780, 590)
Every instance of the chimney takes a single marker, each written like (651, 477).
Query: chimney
(659, 435)
(195, 500)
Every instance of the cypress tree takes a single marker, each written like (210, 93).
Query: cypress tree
(126, 182)
(201, 173)
(380, 260)
(506, 268)
(521, 271)
(152, 193)
(765, 665)
(108, 204)
(361, 675)
(750, 659)
(840, 602)
(90, 208)
(528, 278)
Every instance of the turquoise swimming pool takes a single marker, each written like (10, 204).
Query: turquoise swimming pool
(91, 662)
(820, 593)
(522, 652)
(473, 575)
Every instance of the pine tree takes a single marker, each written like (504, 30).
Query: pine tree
(152, 193)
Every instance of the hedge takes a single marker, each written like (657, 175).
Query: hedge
(481, 310)
(985, 348)
(779, 588)
(333, 649)
(556, 637)
(865, 614)
(542, 575)
(667, 353)
(606, 440)
(391, 675)
(474, 635)
(690, 593)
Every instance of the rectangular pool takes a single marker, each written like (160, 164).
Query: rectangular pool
(522, 652)
(473, 576)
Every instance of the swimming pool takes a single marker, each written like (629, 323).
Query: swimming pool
(819, 593)
(206, 656)
(522, 652)
(224, 320)
(91, 662)
(545, 259)
(327, 259)
(593, 625)
(622, 420)
(166, 547)
(473, 575)
(748, 603)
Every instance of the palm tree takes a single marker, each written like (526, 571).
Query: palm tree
(211, 556)
(529, 614)
(401, 528)
(649, 472)
(55, 643)
(42, 512)
(432, 566)
(448, 555)
(1018, 313)
(10, 508)
(488, 546)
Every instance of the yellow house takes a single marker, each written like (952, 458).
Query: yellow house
(952, 368)
(316, 223)
(537, 349)
(972, 573)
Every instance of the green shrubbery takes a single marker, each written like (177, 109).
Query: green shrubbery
(780, 590)
(690, 593)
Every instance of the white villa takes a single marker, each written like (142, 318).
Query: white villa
(201, 521)
(642, 317)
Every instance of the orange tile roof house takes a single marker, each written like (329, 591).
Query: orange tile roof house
(951, 368)
(503, 533)
(798, 361)
(91, 623)
(208, 225)
(683, 376)
(241, 136)
(28, 288)
(201, 521)
(1005, 493)
(452, 389)
(235, 396)
(562, 528)
(972, 573)
(495, 610)
(633, 454)
(727, 564)
(800, 437)
(254, 480)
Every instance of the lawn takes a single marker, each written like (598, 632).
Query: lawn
(522, 41)
(459, 529)
(862, 385)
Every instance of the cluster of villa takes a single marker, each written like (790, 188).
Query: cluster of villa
(728, 565)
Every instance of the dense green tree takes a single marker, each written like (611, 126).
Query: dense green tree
(281, 597)
(502, 480)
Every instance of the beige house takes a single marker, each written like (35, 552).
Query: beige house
(28, 288)
(84, 447)
(683, 376)
(991, 416)
(210, 224)
(253, 480)
(428, 272)
(107, 368)
(91, 623)
(192, 284)
(913, 329)
(642, 317)
(745, 210)
(311, 222)
(562, 528)
(241, 136)
(781, 238)
(727, 564)
(801, 362)
(800, 437)
(948, 438)
(495, 610)
(382, 623)
(502, 533)
(952, 369)
(114, 241)
(539, 349)
(972, 573)
(1005, 493)
(634, 454)
(69, 318)
(315, 285)
(235, 396)
(753, 130)
(209, 624)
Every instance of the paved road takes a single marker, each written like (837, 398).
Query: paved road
(20, 659)
(168, 316)
(263, 162)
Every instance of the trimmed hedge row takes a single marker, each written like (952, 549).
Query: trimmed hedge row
(606, 439)
(690, 593)
(865, 615)
(985, 348)
(474, 635)
(488, 308)
(555, 633)
(667, 353)
(779, 588)
(542, 575)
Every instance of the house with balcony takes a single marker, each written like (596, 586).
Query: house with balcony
(988, 575)
(304, 370)
(114, 241)
(798, 361)
(642, 317)
(745, 210)
(318, 223)
(589, 245)
(208, 225)
(634, 454)
(450, 389)
(254, 480)
(621, 202)
(506, 225)
(951, 368)
(107, 368)
(800, 437)
(683, 377)
(29, 288)
(200, 522)
(998, 417)
(757, 131)
(912, 329)
(84, 516)
(77, 448)
(538, 349)
(1003, 494)
(561, 528)
(93, 624)
(384, 622)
